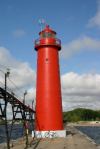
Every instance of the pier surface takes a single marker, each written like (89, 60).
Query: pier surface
(74, 140)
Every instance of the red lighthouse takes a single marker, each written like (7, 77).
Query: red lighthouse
(48, 88)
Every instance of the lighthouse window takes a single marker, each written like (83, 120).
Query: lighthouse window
(46, 59)
(47, 35)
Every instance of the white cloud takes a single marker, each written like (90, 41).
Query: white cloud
(83, 43)
(95, 21)
(21, 73)
(19, 33)
(80, 90)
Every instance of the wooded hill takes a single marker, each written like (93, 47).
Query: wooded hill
(81, 114)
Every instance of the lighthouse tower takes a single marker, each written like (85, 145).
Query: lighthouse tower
(49, 121)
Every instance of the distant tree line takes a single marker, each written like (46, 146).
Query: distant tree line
(81, 114)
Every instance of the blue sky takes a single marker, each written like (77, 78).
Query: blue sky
(77, 23)
(68, 17)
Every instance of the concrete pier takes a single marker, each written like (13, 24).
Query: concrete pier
(74, 140)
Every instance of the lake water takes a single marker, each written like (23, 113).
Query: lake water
(91, 131)
(17, 132)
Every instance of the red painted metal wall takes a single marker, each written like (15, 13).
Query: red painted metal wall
(48, 88)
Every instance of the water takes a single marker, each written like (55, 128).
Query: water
(91, 131)
(17, 132)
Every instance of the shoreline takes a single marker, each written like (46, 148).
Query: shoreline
(84, 123)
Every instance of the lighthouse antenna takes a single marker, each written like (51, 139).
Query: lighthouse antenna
(42, 23)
